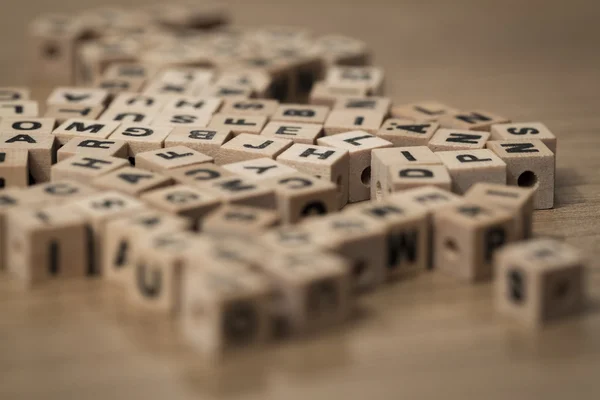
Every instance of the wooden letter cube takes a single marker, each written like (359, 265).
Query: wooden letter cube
(359, 145)
(468, 167)
(300, 196)
(206, 141)
(402, 177)
(340, 121)
(524, 131)
(202, 175)
(301, 113)
(472, 120)
(259, 169)
(23, 108)
(14, 93)
(77, 128)
(313, 287)
(77, 96)
(183, 200)
(12, 125)
(83, 168)
(452, 139)
(370, 78)
(382, 159)
(247, 146)
(241, 190)
(357, 238)
(539, 281)
(380, 104)
(14, 171)
(131, 181)
(168, 158)
(48, 243)
(41, 148)
(240, 220)
(59, 192)
(122, 236)
(142, 138)
(63, 113)
(402, 132)
(323, 162)
(529, 164)
(519, 201)
(10, 199)
(176, 119)
(466, 238)
(238, 124)
(407, 234)
(260, 107)
(100, 209)
(297, 132)
(424, 111)
(93, 148)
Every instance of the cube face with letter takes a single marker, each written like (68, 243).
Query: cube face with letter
(14, 171)
(466, 237)
(539, 281)
(467, 167)
(48, 243)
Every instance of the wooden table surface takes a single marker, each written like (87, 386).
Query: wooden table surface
(426, 338)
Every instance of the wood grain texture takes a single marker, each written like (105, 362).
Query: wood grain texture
(427, 338)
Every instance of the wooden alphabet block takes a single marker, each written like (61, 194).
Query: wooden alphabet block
(290, 239)
(23, 108)
(323, 162)
(59, 192)
(52, 52)
(402, 177)
(359, 144)
(132, 181)
(529, 164)
(377, 104)
(83, 168)
(10, 199)
(41, 148)
(524, 131)
(407, 234)
(466, 237)
(357, 238)
(129, 70)
(99, 209)
(468, 167)
(87, 128)
(193, 104)
(77, 96)
(260, 107)
(93, 57)
(159, 87)
(370, 78)
(225, 307)
(114, 85)
(424, 111)
(93, 148)
(301, 113)
(471, 120)
(382, 159)
(139, 102)
(340, 121)
(248, 147)
(141, 138)
(244, 191)
(14, 170)
(170, 158)
(343, 50)
(157, 272)
(403, 132)
(184, 77)
(259, 169)
(62, 113)
(183, 200)
(539, 281)
(240, 220)
(300, 196)
(121, 239)
(12, 93)
(13, 125)
(126, 116)
(203, 140)
(231, 92)
(202, 175)
(323, 95)
(296, 132)
(452, 139)
(518, 201)
(178, 118)
(430, 198)
(259, 81)
(47, 244)
(238, 124)
(314, 289)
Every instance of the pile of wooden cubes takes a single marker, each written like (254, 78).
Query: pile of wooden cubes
(253, 182)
